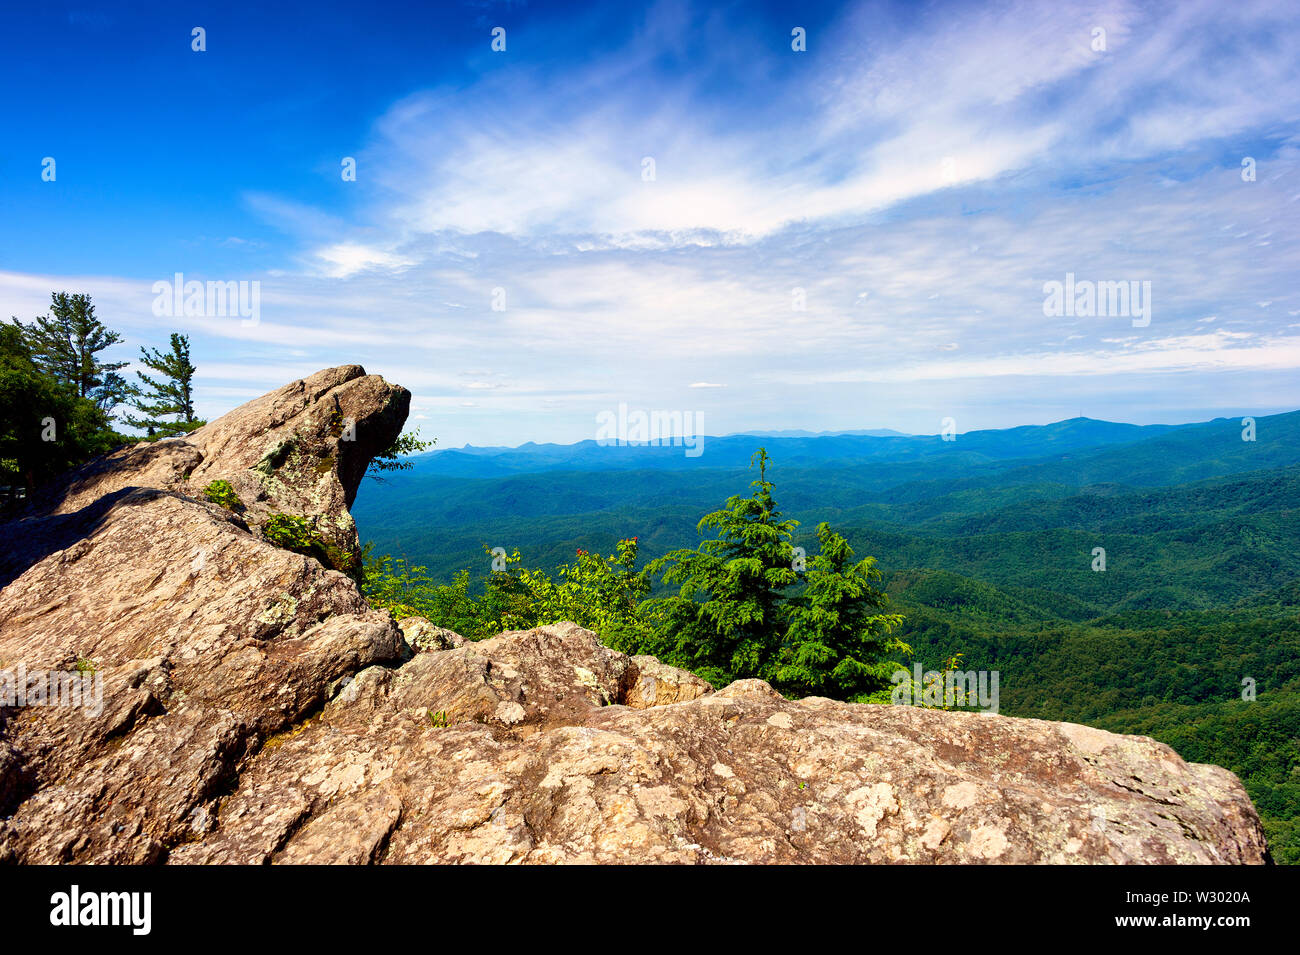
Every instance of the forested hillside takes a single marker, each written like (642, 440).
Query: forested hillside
(988, 544)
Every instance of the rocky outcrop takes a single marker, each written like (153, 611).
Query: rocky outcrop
(300, 451)
(423, 636)
(524, 749)
(206, 637)
(256, 710)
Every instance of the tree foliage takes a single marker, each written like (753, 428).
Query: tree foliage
(725, 619)
(165, 403)
(45, 426)
(65, 344)
(393, 457)
(603, 594)
(838, 636)
(736, 614)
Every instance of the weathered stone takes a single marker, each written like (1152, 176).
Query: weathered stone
(301, 450)
(424, 637)
(740, 775)
(656, 684)
(206, 637)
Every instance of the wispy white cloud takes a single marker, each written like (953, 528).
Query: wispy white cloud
(348, 258)
(966, 95)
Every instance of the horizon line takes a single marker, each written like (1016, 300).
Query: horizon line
(796, 433)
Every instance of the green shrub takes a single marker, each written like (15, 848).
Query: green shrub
(290, 532)
(298, 534)
(223, 493)
(603, 594)
(389, 583)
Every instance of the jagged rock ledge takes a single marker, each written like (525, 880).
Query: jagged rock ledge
(256, 710)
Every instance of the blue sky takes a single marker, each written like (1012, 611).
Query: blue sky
(920, 171)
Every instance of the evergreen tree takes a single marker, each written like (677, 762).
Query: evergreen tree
(725, 622)
(64, 346)
(838, 634)
(114, 392)
(170, 396)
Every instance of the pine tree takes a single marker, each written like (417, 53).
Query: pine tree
(725, 621)
(838, 632)
(114, 392)
(172, 396)
(64, 346)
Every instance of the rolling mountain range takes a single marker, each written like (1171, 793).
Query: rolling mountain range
(734, 450)
(910, 501)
